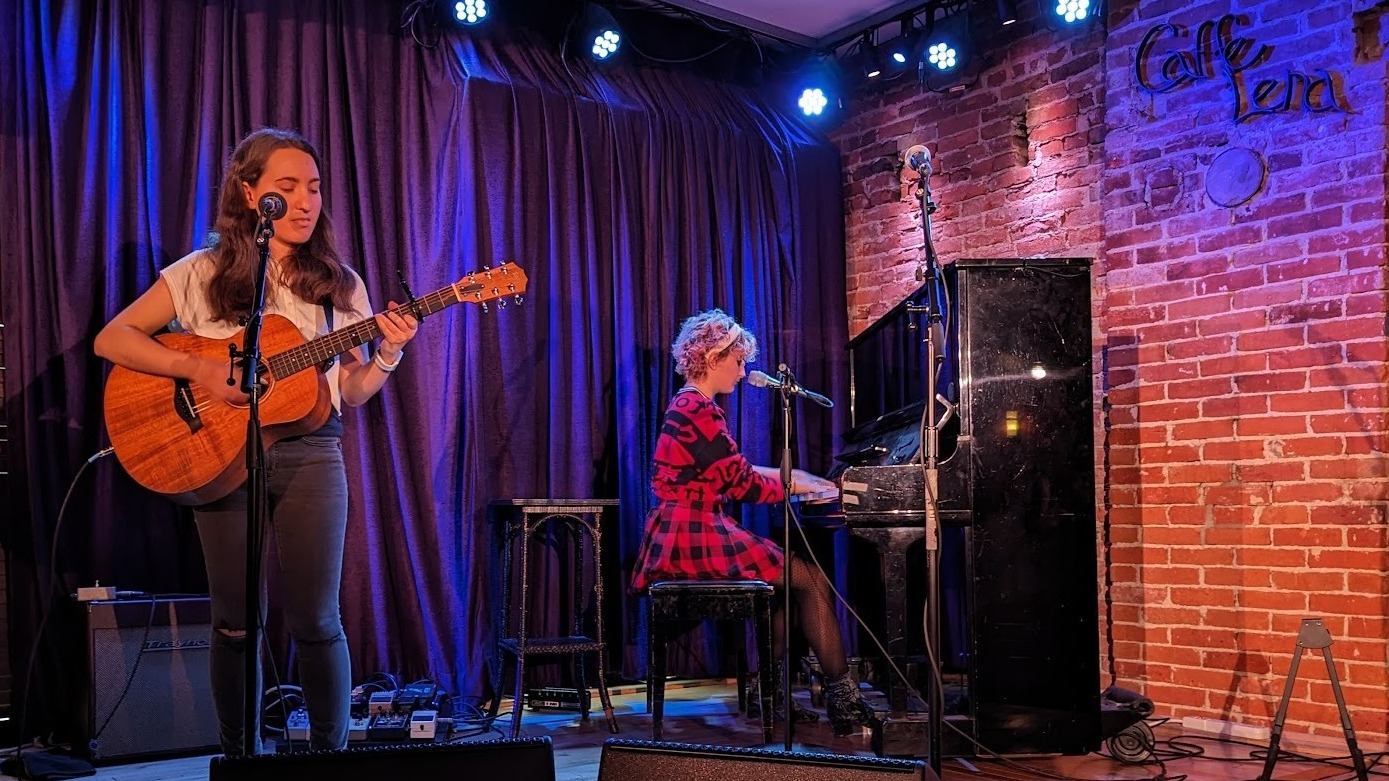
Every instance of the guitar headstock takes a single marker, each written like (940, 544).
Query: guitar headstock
(505, 282)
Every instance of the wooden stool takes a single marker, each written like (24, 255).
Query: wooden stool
(674, 601)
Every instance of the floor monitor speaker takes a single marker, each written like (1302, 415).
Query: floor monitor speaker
(526, 759)
(638, 760)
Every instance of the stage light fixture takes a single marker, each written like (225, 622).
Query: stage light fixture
(942, 55)
(597, 33)
(816, 89)
(470, 12)
(902, 52)
(947, 51)
(1007, 12)
(813, 101)
(1072, 11)
(872, 58)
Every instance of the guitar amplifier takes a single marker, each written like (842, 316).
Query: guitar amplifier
(148, 690)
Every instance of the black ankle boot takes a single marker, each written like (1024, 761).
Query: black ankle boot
(845, 706)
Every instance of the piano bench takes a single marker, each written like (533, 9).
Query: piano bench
(672, 603)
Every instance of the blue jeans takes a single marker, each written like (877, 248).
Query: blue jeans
(307, 495)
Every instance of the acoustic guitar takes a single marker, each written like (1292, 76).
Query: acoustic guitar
(173, 437)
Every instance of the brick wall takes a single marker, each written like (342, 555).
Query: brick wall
(1245, 344)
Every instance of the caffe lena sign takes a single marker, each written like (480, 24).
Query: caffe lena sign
(1170, 58)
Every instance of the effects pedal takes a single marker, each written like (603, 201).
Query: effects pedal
(424, 724)
(297, 724)
(389, 726)
(418, 695)
(381, 702)
(357, 728)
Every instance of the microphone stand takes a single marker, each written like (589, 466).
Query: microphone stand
(787, 382)
(935, 340)
(249, 357)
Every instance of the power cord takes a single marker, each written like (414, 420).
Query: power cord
(50, 595)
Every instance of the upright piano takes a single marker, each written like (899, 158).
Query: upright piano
(1016, 500)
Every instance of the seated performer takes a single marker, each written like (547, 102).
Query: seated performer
(689, 535)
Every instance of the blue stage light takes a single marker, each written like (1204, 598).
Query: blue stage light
(813, 101)
(597, 33)
(1073, 11)
(470, 11)
(942, 56)
(605, 44)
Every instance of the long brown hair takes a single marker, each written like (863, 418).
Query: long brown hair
(313, 271)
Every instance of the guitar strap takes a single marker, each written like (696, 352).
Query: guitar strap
(333, 428)
(328, 318)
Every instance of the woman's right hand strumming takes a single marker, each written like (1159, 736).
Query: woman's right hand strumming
(213, 376)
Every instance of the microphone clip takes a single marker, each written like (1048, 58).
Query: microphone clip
(265, 230)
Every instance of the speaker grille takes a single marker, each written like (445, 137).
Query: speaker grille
(529, 759)
(150, 692)
(639, 760)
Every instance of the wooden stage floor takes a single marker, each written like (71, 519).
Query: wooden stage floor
(706, 712)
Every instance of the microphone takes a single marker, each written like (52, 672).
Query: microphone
(273, 206)
(759, 379)
(919, 158)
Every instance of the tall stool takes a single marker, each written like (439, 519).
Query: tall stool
(672, 602)
(519, 520)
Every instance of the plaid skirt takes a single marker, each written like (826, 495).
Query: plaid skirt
(700, 541)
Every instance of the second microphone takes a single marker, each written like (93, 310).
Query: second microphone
(759, 379)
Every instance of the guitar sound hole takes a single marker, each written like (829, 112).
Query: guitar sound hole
(265, 386)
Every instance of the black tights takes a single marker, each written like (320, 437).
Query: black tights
(815, 606)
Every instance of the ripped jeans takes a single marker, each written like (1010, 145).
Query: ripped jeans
(307, 521)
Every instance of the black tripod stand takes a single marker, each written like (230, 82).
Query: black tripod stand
(1312, 636)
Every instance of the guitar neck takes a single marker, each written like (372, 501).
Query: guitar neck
(317, 351)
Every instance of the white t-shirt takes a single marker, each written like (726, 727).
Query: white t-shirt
(188, 278)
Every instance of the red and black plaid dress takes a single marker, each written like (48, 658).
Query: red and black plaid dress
(698, 467)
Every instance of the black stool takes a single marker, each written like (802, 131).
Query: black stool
(672, 602)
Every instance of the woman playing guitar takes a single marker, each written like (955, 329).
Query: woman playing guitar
(209, 294)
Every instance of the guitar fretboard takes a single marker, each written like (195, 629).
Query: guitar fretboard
(315, 352)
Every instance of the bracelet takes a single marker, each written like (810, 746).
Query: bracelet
(387, 367)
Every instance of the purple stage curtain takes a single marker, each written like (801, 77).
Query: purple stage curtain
(632, 198)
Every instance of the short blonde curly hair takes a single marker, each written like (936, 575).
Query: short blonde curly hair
(706, 337)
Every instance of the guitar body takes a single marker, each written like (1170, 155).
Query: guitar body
(174, 438)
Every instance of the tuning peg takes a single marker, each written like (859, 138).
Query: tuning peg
(501, 303)
(519, 299)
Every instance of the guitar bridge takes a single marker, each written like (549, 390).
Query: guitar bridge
(185, 406)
